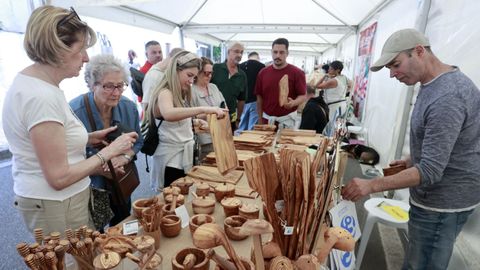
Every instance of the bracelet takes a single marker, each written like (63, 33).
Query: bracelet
(102, 159)
(129, 158)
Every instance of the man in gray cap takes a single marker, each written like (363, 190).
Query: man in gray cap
(443, 172)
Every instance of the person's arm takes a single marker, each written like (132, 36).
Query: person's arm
(260, 109)
(172, 114)
(358, 188)
(327, 84)
(48, 140)
(240, 105)
(292, 103)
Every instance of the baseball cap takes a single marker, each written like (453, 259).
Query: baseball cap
(399, 41)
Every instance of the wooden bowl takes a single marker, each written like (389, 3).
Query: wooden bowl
(246, 263)
(202, 261)
(141, 204)
(107, 260)
(166, 210)
(203, 205)
(249, 211)
(180, 199)
(232, 226)
(202, 189)
(184, 185)
(168, 190)
(224, 190)
(231, 205)
(200, 219)
(170, 226)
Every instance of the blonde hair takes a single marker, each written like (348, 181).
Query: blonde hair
(50, 34)
(170, 82)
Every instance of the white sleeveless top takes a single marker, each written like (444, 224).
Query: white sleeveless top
(338, 93)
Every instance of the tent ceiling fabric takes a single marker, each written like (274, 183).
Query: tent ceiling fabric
(310, 25)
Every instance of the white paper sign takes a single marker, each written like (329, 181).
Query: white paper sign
(182, 213)
(344, 215)
(130, 227)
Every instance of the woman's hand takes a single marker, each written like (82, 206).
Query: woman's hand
(220, 112)
(120, 145)
(98, 137)
(201, 124)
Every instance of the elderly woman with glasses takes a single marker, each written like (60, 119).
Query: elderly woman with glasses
(103, 107)
(47, 140)
(205, 93)
(171, 102)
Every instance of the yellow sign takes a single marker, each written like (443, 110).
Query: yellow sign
(395, 211)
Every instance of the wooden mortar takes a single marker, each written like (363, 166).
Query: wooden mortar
(224, 190)
(171, 226)
(203, 205)
(198, 220)
(201, 260)
(232, 226)
(249, 211)
(141, 204)
(231, 205)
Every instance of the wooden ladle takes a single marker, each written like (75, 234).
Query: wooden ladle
(211, 235)
(337, 238)
(255, 228)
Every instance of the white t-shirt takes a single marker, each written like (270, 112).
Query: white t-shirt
(151, 80)
(337, 93)
(29, 102)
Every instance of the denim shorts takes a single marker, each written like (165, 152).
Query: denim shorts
(431, 237)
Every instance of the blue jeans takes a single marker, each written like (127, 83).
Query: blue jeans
(431, 237)
(249, 117)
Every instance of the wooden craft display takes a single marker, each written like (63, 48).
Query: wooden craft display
(211, 174)
(283, 88)
(222, 140)
(242, 155)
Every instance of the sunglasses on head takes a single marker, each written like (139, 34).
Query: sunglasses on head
(73, 15)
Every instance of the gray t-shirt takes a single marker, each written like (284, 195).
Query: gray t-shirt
(445, 143)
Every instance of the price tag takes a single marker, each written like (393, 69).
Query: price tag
(182, 213)
(279, 205)
(288, 230)
(130, 227)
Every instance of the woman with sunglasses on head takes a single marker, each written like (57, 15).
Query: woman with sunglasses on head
(171, 102)
(205, 93)
(105, 77)
(50, 171)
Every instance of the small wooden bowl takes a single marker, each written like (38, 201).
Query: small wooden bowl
(184, 185)
(170, 226)
(200, 219)
(224, 190)
(202, 261)
(202, 189)
(231, 205)
(180, 199)
(246, 263)
(169, 190)
(141, 204)
(107, 260)
(203, 205)
(232, 226)
(249, 211)
(166, 210)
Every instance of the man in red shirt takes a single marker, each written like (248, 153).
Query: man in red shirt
(153, 52)
(267, 88)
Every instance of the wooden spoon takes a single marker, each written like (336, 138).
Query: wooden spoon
(220, 261)
(255, 228)
(211, 235)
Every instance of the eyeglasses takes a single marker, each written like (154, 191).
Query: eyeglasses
(207, 73)
(73, 14)
(110, 87)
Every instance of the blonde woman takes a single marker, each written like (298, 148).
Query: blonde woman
(172, 104)
(50, 172)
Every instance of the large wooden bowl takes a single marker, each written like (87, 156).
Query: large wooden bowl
(171, 225)
(200, 219)
(232, 226)
(203, 205)
(202, 261)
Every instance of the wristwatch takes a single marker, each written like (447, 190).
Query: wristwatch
(129, 158)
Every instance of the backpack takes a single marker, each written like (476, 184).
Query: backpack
(150, 136)
(137, 80)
